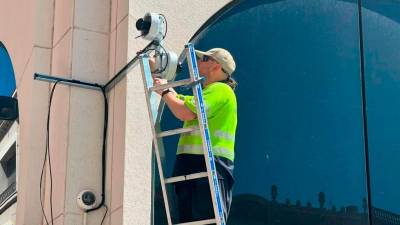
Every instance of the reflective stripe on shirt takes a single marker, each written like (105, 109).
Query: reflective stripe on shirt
(225, 135)
(220, 134)
(197, 149)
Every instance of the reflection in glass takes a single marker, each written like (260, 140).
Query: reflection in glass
(381, 21)
(7, 79)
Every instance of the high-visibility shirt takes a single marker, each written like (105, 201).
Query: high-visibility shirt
(221, 109)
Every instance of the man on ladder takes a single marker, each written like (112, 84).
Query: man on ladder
(194, 197)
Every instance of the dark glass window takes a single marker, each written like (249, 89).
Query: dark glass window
(7, 79)
(8, 160)
(8, 174)
(381, 21)
(300, 154)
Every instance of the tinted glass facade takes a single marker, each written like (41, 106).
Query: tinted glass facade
(308, 113)
(381, 34)
(7, 79)
(8, 152)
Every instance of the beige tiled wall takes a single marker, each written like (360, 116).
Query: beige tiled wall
(118, 58)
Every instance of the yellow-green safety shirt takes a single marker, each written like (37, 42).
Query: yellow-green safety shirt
(221, 109)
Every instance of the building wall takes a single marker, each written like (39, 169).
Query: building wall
(8, 216)
(89, 41)
(184, 19)
(17, 34)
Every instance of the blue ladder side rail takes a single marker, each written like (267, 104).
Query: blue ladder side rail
(204, 124)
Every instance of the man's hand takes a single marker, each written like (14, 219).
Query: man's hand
(152, 62)
(176, 105)
(157, 82)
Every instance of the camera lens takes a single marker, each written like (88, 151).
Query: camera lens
(143, 25)
(88, 198)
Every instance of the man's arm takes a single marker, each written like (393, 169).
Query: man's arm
(176, 105)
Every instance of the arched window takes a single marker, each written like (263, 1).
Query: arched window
(8, 135)
(7, 78)
(300, 141)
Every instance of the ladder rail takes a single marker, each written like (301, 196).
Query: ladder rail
(186, 177)
(177, 131)
(200, 222)
(171, 85)
(195, 83)
(146, 76)
(205, 135)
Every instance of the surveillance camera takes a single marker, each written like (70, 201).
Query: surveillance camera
(86, 200)
(166, 64)
(152, 26)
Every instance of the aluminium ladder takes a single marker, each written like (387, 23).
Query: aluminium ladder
(195, 82)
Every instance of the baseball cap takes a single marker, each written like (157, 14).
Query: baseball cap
(222, 56)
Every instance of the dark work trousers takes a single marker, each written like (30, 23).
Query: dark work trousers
(194, 196)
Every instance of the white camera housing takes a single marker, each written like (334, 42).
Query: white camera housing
(86, 199)
(153, 28)
(167, 61)
(157, 27)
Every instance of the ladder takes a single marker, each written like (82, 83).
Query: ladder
(195, 82)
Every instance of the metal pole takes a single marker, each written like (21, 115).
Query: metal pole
(121, 74)
(124, 71)
(76, 83)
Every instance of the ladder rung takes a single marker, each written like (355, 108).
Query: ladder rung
(186, 177)
(200, 222)
(177, 131)
(171, 85)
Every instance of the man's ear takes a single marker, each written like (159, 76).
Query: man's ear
(217, 66)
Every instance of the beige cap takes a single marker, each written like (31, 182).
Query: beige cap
(222, 56)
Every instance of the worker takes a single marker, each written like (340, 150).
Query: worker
(193, 197)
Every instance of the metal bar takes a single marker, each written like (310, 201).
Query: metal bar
(124, 71)
(186, 177)
(121, 74)
(177, 131)
(76, 83)
(108, 86)
(200, 222)
(171, 85)
(189, 86)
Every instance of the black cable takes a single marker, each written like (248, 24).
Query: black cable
(165, 51)
(122, 72)
(103, 88)
(146, 50)
(166, 26)
(166, 64)
(103, 182)
(364, 111)
(48, 150)
(47, 156)
(104, 215)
